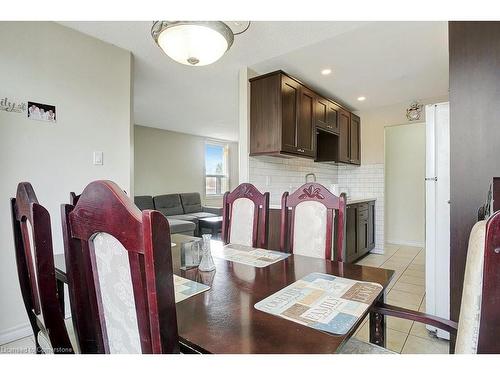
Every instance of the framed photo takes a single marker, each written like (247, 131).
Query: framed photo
(41, 112)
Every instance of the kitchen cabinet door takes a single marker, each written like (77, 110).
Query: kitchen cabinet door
(351, 241)
(354, 140)
(344, 130)
(371, 225)
(290, 92)
(333, 117)
(306, 133)
(362, 229)
(321, 113)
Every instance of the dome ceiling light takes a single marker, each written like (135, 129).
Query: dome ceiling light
(196, 43)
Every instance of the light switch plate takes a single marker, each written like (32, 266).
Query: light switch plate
(98, 158)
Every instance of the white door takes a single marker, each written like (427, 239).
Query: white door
(437, 228)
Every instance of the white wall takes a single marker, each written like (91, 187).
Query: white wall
(89, 82)
(373, 122)
(405, 186)
(244, 123)
(171, 162)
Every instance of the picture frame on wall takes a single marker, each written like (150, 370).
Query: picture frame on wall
(41, 112)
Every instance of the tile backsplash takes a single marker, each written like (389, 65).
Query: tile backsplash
(277, 175)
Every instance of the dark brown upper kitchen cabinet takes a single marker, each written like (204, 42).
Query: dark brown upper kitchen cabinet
(281, 116)
(344, 155)
(287, 118)
(305, 122)
(326, 115)
(349, 149)
(354, 140)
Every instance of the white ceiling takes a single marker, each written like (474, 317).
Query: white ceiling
(387, 62)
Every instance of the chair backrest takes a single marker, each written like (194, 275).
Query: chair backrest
(479, 321)
(245, 215)
(35, 268)
(119, 269)
(307, 221)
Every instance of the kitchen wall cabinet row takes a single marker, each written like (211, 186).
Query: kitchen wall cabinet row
(289, 119)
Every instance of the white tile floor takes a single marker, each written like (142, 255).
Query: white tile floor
(407, 289)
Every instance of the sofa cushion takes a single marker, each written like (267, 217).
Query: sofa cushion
(168, 204)
(181, 226)
(191, 202)
(200, 215)
(144, 202)
(190, 218)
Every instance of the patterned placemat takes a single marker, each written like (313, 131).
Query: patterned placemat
(250, 255)
(185, 288)
(325, 302)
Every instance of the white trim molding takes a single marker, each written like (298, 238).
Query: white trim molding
(15, 333)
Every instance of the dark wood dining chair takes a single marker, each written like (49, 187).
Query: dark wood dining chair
(245, 215)
(36, 272)
(308, 216)
(119, 269)
(478, 327)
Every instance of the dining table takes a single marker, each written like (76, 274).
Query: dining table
(224, 320)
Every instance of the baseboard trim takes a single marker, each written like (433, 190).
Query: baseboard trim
(405, 243)
(15, 333)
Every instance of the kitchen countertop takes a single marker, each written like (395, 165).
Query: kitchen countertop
(354, 200)
(359, 200)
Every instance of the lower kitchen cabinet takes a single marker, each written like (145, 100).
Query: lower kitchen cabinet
(360, 230)
(371, 225)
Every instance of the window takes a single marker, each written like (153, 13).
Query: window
(216, 169)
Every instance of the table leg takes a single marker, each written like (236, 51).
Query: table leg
(377, 326)
(60, 294)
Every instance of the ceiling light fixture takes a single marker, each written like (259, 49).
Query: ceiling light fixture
(325, 72)
(361, 98)
(194, 43)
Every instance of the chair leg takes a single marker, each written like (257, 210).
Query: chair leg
(377, 327)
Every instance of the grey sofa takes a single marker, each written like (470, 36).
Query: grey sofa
(181, 210)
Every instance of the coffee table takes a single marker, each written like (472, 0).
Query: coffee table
(214, 224)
